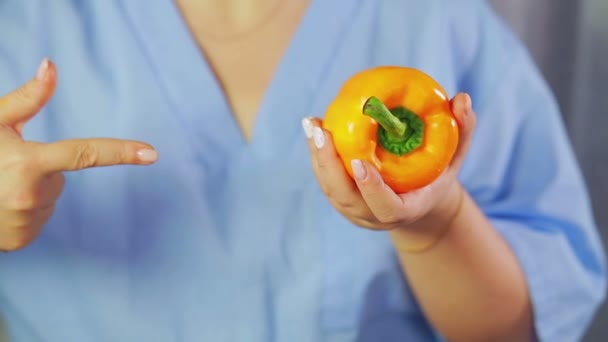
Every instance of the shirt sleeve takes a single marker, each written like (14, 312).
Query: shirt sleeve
(522, 172)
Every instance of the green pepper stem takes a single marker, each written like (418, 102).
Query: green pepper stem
(375, 109)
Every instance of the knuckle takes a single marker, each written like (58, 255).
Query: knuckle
(338, 207)
(22, 219)
(17, 240)
(121, 155)
(348, 209)
(15, 244)
(365, 223)
(325, 189)
(387, 218)
(346, 204)
(10, 246)
(25, 201)
(322, 165)
(86, 156)
(358, 222)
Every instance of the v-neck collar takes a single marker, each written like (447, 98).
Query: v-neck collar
(197, 97)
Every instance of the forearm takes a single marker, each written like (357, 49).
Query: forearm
(469, 284)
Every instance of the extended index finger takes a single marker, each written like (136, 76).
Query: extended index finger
(78, 154)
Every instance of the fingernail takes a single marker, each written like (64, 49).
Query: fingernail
(42, 70)
(358, 169)
(147, 155)
(307, 125)
(319, 137)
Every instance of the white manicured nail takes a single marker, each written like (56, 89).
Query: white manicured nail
(307, 125)
(318, 136)
(358, 169)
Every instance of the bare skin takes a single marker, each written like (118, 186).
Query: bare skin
(454, 279)
(447, 248)
(228, 30)
(31, 174)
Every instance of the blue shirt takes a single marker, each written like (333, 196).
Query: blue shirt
(224, 240)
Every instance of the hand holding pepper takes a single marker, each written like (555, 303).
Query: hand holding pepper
(446, 246)
(393, 170)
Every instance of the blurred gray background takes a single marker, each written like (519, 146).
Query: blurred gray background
(569, 41)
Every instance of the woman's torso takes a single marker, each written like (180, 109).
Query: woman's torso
(222, 239)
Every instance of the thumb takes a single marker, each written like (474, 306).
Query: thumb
(17, 107)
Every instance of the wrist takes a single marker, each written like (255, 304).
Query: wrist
(450, 205)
